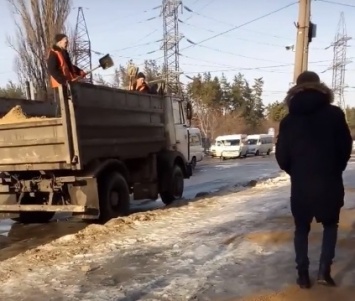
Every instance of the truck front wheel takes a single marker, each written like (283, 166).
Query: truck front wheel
(172, 187)
(113, 197)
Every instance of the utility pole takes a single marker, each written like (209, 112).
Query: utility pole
(302, 40)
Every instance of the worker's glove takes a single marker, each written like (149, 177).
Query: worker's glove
(76, 78)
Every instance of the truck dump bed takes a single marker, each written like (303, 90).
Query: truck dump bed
(97, 123)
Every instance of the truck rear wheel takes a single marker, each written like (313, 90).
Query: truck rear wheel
(113, 197)
(173, 186)
(35, 217)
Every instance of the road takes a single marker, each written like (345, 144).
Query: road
(233, 246)
(211, 175)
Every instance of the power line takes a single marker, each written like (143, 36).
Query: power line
(202, 8)
(129, 16)
(245, 29)
(241, 25)
(336, 3)
(235, 68)
(247, 40)
(244, 24)
(236, 54)
(137, 45)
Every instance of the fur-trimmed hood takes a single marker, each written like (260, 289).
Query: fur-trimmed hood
(308, 97)
(322, 88)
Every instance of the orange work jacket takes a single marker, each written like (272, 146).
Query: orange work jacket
(64, 68)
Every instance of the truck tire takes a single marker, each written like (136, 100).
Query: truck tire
(114, 197)
(35, 217)
(173, 186)
(193, 163)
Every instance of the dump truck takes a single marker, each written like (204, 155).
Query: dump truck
(106, 147)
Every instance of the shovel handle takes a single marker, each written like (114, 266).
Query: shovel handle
(92, 70)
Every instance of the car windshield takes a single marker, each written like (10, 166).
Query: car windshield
(233, 142)
(252, 141)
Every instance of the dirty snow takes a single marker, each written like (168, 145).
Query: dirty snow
(220, 248)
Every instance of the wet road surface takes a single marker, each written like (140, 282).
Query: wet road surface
(211, 175)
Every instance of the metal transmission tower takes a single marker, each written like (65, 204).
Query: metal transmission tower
(82, 45)
(339, 45)
(170, 12)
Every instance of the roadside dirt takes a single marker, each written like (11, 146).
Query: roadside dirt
(317, 293)
(16, 114)
(347, 224)
(275, 237)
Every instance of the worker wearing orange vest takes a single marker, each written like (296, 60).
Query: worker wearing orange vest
(60, 67)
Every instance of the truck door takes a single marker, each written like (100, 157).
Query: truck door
(181, 130)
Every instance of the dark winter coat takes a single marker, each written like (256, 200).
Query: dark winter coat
(313, 147)
(53, 65)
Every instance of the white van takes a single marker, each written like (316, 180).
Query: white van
(230, 146)
(196, 146)
(260, 144)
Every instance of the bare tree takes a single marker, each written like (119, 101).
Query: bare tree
(37, 22)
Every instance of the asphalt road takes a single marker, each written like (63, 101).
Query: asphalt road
(211, 175)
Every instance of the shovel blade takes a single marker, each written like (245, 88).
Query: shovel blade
(106, 62)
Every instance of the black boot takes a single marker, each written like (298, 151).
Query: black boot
(324, 277)
(303, 279)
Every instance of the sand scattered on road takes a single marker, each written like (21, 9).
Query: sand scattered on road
(16, 114)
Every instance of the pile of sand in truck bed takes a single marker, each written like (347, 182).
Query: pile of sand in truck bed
(16, 114)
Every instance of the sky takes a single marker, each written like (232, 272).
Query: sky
(134, 29)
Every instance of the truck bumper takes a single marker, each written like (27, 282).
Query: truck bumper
(81, 199)
(51, 208)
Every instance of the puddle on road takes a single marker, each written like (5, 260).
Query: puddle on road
(295, 294)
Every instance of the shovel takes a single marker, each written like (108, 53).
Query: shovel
(105, 62)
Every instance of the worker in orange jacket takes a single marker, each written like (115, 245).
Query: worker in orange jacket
(60, 67)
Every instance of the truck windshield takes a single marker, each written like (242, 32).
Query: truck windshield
(233, 142)
(252, 141)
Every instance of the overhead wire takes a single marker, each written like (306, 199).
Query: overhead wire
(138, 45)
(336, 3)
(128, 16)
(244, 39)
(200, 9)
(236, 54)
(244, 24)
(241, 25)
(236, 68)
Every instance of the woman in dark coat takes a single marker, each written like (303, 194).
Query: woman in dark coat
(313, 147)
